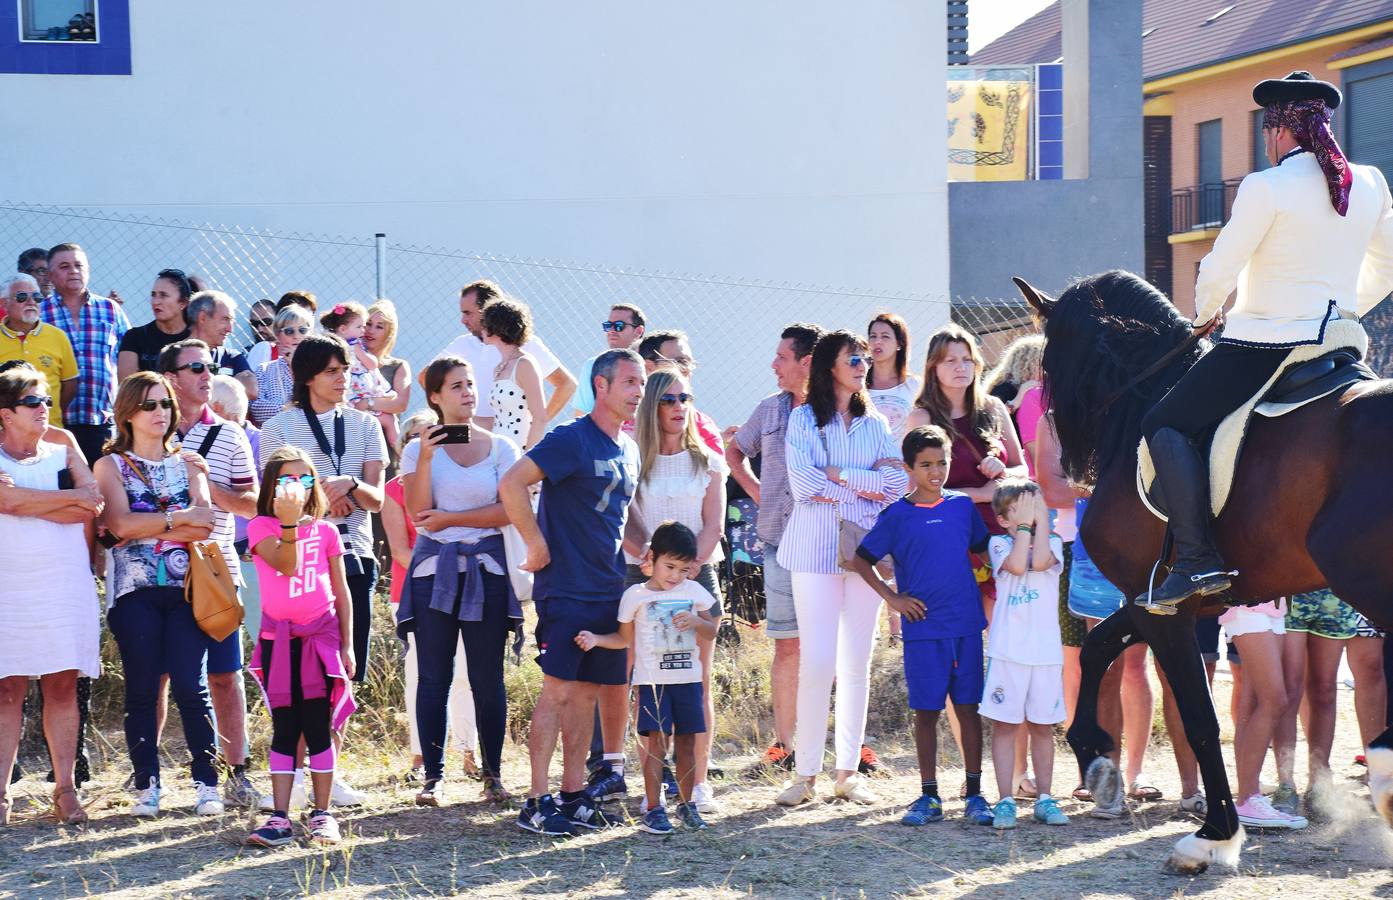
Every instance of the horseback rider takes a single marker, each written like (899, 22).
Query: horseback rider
(1309, 240)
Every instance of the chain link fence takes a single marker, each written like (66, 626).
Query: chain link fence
(732, 322)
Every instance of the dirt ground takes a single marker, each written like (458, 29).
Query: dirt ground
(752, 847)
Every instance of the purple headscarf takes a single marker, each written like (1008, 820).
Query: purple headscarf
(1309, 122)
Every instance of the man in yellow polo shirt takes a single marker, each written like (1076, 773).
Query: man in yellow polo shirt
(45, 347)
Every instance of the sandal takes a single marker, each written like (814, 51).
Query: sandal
(431, 792)
(1082, 794)
(1142, 789)
(4, 809)
(76, 816)
(471, 766)
(496, 793)
(1025, 789)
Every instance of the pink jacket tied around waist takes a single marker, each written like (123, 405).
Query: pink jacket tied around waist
(321, 669)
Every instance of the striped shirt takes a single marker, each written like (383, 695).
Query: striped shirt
(762, 436)
(96, 339)
(363, 443)
(231, 468)
(809, 541)
(273, 388)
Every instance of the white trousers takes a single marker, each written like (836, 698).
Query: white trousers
(461, 726)
(837, 617)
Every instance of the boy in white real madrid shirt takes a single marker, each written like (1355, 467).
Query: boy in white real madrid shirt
(660, 619)
(1024, 684)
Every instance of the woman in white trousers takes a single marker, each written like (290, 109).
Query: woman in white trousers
(843, 465)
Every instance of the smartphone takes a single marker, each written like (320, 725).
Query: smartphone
(108, 539)
(455, 434)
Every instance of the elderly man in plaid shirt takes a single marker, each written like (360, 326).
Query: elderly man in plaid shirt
(95, 326)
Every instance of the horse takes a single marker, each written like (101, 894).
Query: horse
(1302, 515)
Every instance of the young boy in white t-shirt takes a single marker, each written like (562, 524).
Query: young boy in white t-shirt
(661, 619)
(1025, 658)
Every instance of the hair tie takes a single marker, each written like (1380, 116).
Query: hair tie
(339, 309)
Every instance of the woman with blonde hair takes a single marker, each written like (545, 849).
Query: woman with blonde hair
(1016, 381)
(379, 339)
(680, 480)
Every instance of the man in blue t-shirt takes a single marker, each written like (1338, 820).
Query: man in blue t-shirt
(589, 471)
(929, 534)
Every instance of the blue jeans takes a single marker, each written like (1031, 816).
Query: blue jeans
(155, 630)
(437, 635)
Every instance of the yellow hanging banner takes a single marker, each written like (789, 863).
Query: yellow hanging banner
(988, 130)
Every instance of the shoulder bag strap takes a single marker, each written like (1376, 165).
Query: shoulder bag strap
(140, 473)
(208, 439)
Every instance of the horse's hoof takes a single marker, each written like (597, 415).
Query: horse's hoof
(1193, 855)
(1380, 761)
(1104, 782)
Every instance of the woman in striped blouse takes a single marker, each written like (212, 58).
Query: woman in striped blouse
(274, 381)
(842, 465)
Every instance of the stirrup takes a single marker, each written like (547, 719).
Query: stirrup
(1170, 609)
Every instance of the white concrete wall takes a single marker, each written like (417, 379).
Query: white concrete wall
(791, 140)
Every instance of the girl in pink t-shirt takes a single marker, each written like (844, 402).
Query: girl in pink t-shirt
(303, 657)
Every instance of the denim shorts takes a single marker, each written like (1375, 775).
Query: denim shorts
(782, 620)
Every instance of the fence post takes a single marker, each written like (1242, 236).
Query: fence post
(381, 241)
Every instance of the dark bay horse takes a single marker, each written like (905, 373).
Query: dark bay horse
(1309, 509)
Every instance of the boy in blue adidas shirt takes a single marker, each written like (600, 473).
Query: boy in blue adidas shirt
(929, 534)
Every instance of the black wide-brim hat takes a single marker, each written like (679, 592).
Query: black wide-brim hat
(1299, 85)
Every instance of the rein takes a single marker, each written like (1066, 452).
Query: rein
(1155, 368)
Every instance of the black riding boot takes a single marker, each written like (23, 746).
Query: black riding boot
(1184, 478)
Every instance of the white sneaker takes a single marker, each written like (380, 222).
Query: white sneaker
(207, 800)
(1257, 812)
(855, 790)
(146, 804)
(345, 794)
(704, 800)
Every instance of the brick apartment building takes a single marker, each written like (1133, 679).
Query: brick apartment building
(1201, 129)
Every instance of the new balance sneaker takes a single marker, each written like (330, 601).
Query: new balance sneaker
(869, 761)
(540, 815)
(606, 784)
(146, 803)
(275, 833)
(978, 811)
(345, 794)
(655, 821)
(703, 798)
(923, 810)
(1004, 814)
(1257, 812)
(324, 829)
(690, 816)
(1047, 811)
(776, 756)
(585, 813)
(207, 800)
(238, 790)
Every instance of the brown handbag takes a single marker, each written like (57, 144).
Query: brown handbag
(849, 534)
(210, 590)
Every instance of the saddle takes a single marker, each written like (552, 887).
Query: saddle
(1310, 372)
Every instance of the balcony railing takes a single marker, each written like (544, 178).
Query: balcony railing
(1202, 206)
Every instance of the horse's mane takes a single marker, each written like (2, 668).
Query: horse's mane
(1102, 332)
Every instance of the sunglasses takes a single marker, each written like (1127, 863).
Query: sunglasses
(34, 401)
(617, 326)
(306, 481)
(262, 323)
(152, 405)
(856, 362)
(685, 363)
(198, 368)
(291, 330)
(673, 399)
(26, 297)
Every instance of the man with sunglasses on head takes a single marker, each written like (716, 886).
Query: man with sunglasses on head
(23, 336)
(232, 485)
(484, 358)
(623, 330)
(95, 326)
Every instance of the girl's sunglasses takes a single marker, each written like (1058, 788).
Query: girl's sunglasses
(34, 401)
(306, 481)
(291, 330)
(674, 399)
(152, 405)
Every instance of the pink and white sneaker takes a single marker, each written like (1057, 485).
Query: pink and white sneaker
(1257, 812)
(323, 828)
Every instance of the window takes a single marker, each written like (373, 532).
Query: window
(1210, 144)
(1260, 160)
(58, 20)
(1370, 102)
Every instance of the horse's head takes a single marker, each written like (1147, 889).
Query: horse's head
(1101, 333)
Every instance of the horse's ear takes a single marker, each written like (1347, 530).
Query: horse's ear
(1042, 302)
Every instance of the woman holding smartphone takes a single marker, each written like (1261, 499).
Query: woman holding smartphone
(457, 586)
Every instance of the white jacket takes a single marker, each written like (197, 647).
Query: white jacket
(1293, 257)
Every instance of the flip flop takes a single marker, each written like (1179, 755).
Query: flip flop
(1083, 794)
(1143, 789)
